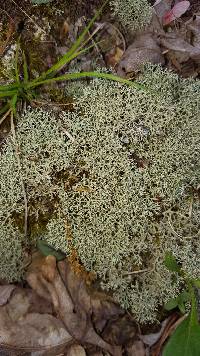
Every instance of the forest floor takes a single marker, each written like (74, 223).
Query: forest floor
(63, 314)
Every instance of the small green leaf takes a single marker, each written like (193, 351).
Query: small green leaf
(13, 103)
(47, 250)
(171, 263)
(171, 304)
(185, 341)
(25, 68)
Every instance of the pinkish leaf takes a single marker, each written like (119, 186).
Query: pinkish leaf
(177, 11)
(5, 293)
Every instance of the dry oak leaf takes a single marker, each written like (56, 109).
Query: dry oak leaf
(74, 315)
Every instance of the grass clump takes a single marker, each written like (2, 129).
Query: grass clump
(125, 178)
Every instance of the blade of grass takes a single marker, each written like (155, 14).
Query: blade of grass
(13, 104)
(25, 68)
(9, 87)
(71, 58)
(67, 57)
(5, 94)
(72, 76)
(17, 77)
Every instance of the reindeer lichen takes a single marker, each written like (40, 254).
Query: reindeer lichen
(123, 171)
(136, 14)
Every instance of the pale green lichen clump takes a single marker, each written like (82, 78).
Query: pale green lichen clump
(136, 14)
(123, 170)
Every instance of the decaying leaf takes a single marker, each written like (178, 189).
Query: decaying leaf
(71, 301)
(144, 49)
(137, 349)
(5, 293)
(27, 326)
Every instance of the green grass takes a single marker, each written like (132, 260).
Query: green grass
(23, 87)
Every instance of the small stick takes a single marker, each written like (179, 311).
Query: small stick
(5, 116)
(20, 168)
(136, 272)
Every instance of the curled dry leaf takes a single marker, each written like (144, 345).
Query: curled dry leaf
(144, 49)
(71, 302)
(5, 293)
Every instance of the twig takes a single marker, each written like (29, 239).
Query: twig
(25, 13)
(20, 169)
(5, 116)
(136, 272)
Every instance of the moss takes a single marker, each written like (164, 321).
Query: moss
(125, 178)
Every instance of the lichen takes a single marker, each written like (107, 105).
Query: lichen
(136, 14)
(123, 172)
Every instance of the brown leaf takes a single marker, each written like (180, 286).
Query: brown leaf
(120, 331)
(20, 328)
(75, 314)
(5, 293)
(143, 50)
(137, 349)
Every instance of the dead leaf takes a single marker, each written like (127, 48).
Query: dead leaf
(21, 329)
(137, 349)
(144, 49)
(177, 11)
(120, 331)
(5, 293)
(75, 314)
